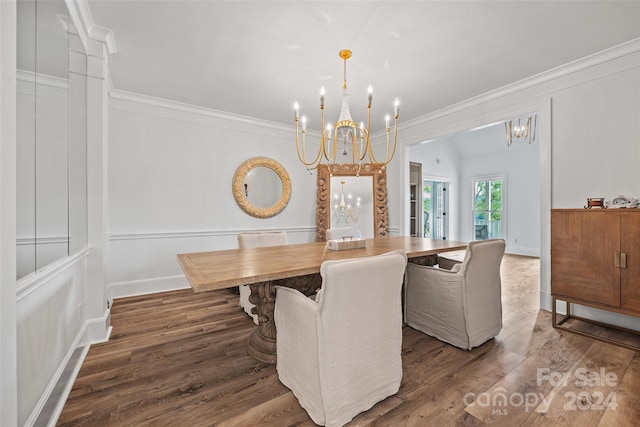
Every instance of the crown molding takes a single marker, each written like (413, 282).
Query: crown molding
(104, 35)
(615, 52)
(122, 95)
(598, 58)
(80, 14)
(81, 18)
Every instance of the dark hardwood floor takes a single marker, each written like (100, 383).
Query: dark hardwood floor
(180, 359)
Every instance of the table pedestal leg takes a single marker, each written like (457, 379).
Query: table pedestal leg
(262, 342)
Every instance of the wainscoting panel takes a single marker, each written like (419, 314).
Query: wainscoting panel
(50, 326)
(145, 263)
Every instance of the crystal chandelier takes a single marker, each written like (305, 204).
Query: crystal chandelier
(345, 133)
(522, 131)
(343, 211)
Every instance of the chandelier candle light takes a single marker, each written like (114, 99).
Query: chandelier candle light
(345, 132)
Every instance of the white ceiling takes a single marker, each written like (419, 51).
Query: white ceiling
(256, 58)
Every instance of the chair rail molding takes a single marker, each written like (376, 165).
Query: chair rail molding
(180, 234)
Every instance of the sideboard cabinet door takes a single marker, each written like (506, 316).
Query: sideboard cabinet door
(630, 247)
(583, 247)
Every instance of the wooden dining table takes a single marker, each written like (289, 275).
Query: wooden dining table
(296, 266)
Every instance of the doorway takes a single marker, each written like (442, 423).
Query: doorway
(435, 202)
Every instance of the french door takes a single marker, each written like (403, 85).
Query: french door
(435, 203)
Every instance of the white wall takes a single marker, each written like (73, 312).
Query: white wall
(596, 138)
(170, 172)
(441, 159)
(589, 133)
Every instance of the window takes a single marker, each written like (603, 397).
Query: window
(488, 213)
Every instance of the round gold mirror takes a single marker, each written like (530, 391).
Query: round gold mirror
(261, 187)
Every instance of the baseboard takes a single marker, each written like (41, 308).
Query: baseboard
(50, 405)
(98, 330)
(520, 250)
(146, 286)
(55, 404)
(545, 301)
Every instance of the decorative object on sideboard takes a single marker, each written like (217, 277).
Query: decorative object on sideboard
(345, 135)
(623, 202)
(595, 202)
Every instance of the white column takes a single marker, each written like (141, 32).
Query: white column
(97, 304)
(8, 363)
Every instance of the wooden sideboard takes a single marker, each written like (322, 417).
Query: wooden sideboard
(595, 260)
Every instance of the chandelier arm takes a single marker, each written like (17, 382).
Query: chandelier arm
(395, 142)
(355, 152)
(367, 134)
(326, 139)
(363, 144)
(302, 156)
(334, 148)
(368, 142)
(354, 147)
(372, 158)
(395, 139)
(303, 159)
(314, 164)
(360, 155)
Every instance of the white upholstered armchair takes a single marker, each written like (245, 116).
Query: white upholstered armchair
(341, 353)
(255, 240)
(462, 306)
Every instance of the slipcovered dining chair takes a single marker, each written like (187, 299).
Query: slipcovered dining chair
(342, 233)
(255, 240)
(462, 306)
(340, 354)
